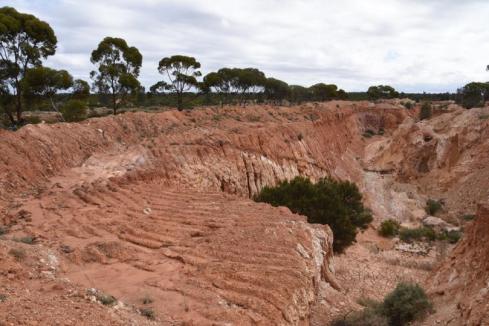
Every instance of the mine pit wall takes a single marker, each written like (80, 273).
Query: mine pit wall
(235, 150)
(194, 150)
(460, 286)
(445, 157)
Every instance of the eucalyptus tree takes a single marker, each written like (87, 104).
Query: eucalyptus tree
(473, 94)
(180, 73)
(299, 94)
(25, 41)
(381, 92)
(118, 66)
(324, 92)
(276, 90)
(249, 81)
(46, 82)
(223, 82)
(81, 89)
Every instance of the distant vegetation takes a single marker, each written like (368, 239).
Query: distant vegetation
(433, 206)
(407, 303)
(332, 202)
(26, 42)
(389, 228)
(426, 111)
(382, 92)
(473, 95)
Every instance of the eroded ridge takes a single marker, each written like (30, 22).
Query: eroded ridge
(201, 257)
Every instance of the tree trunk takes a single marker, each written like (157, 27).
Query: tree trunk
(114, 103)
(56, 109)
(179, 100)
(9, 115)
(19, 105)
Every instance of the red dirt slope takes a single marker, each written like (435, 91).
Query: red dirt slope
(151, 205)
(461, 285)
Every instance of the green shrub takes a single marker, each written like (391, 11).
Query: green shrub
(426, 111)
(408, 105)
(368, 133)
(27, 240)
(450, 236)
(405, 304)
(367, 317)
(408, 302)
(468, 217)
(433, 207)
(217, 117)
(389, 228)
(421, 233)
(336, 203)
(148, 313)
(33, 120)
(106, 299)
(74, 110)
(3, 230)
(3, 297)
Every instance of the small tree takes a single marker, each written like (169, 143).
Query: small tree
(381, 92)
(24, 42)
(46, 82)
(181, 73)
(118, 67)
(473, 95)
(426, 111)
(336, 203)
(81, 90)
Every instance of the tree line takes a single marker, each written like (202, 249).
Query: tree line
(26, 42)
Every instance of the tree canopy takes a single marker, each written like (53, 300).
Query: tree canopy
(276, 90)
(180, 73)
(118, 67)
(237, 81)
(299, 94)
(382, 92)
(324, 92)
(473, 94)
(81, 89)
(25, 41)
(46, 82)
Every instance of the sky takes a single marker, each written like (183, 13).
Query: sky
(413, 45)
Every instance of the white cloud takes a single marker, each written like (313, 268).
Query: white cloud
(414, 45)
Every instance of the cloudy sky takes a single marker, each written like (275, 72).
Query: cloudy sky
(414, 45)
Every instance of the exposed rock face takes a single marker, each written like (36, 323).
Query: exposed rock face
(461, 285)
(438, 224)
(445, 157)
(237, 150)
(153, 205)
